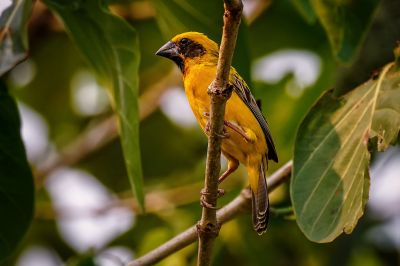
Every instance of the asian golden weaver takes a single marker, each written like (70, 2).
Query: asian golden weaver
(247, 137)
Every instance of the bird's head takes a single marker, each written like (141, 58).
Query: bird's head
(189, 47)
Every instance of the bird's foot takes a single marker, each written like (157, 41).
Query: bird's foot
(203, 201)
(224, 134)
(205, 204)
(221, 192)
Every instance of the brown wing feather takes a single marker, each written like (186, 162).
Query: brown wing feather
(260, 203)
(243, 91)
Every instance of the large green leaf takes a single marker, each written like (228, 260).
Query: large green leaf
(330, 177)
(345, 22)
(111, 46)
(16, 181)
(13, 34)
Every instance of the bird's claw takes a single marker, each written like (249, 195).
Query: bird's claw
(203, 201)
(224, 135)
(205, 204)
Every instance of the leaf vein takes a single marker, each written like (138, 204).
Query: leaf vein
(348, 137)
(332, 131)
(336, 187)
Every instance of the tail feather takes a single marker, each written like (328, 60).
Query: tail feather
(260, 203)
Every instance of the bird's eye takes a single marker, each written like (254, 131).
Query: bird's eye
(184, 41)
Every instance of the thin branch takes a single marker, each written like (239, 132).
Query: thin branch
(103, 133)
(85, 144)
(239, 205)
(219, 91)
(156, 202)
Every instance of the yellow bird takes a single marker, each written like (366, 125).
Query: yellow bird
(247, 138)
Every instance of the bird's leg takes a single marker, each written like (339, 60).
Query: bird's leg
(233, 164)
(238, 130)
(232, 126)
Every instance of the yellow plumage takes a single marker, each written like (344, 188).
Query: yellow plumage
(248, 138)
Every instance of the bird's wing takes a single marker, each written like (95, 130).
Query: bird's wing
(243, 91)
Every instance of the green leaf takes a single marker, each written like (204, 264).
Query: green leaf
(111, 46)
(16, 181)
(86, 259)
(330, 181)
(345, 22)
(13, 34)
(386, 122)
(306, 10)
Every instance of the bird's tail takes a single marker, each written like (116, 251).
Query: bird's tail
(260, 202)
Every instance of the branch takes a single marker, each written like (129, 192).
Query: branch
(219, 91)
(156, 201)
(239, 205)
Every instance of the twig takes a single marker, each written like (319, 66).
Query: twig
(219, 92)
(100, 135)
(91, 140)
(239, 205)
(156, 202)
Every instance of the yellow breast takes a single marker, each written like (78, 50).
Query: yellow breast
(196, 82)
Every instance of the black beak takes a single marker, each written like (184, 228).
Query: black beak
(168, 50)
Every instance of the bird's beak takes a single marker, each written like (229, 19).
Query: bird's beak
(168, 50)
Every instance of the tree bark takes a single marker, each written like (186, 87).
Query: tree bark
(219, 91)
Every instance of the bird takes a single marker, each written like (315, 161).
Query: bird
(246, 137)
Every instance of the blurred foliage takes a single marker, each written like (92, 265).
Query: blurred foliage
(83, 260)
(344, 21)
(16, 182)
(173, 155)
(111, 46)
